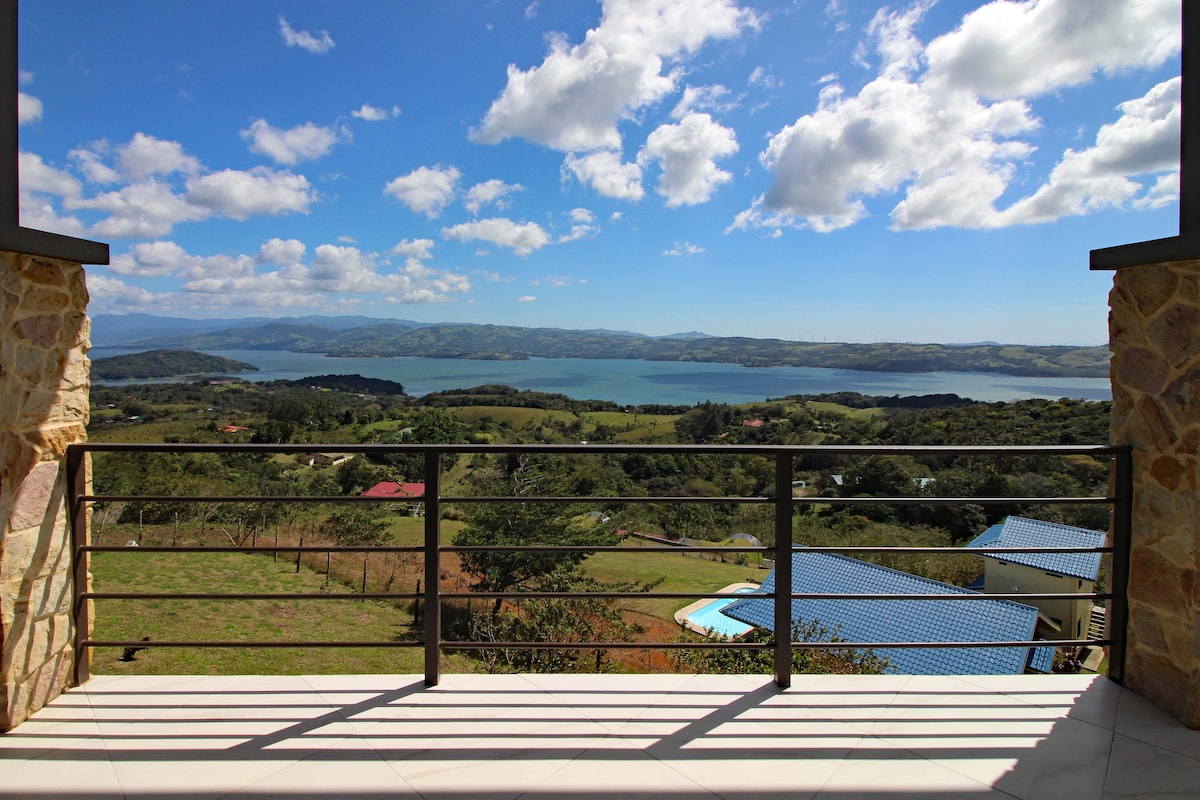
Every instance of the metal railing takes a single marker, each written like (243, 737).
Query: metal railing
(781, 500)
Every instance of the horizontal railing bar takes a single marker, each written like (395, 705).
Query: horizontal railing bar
(615, 449)
(946, 645)
(582, 548)
(771, 596)
(946, 501)
(459, 645)
(648, 500)
(241, 644)
(333, 548)
(250, 596)
(469, 645)
(582, 596)
(966, 551)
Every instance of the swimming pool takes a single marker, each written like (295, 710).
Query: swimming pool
(708, 617)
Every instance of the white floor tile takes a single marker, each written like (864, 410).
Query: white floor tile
(1140, 770)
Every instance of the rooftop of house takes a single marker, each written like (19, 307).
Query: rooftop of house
(394, 489)
(904, 620)
(1022, 532)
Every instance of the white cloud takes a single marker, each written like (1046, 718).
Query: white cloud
(760, 77)
(523, 238)
(614, 216)
(38, 176)
(704, 98)
(420, 249)
(425, 190)
(90, 164)
(302, 143)
(605, 173)
(144, 210)
(492, 191)
(582, 216)
(371, 113)
(688, 153)
(575, 98)
(29, 109)
(151, 205)
(527, 298)
(112, 295)
(1011, 49)
(244, 193)
(305, 40)
(157, 259)
(921, 128)
(684, 249)
(281, 252)
(531, 10)
(144, 156)
(338, 277)
(1145, 140)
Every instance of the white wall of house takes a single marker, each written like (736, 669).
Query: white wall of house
(1005, 577)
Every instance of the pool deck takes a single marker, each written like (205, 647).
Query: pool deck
(681, 616)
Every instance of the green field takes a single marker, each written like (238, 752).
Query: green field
(245, 620)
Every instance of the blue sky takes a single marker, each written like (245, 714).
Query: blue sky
(811, 169)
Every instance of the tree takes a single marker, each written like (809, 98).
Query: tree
(522, 523)
(804, 660)
(356, 526)
(554, 619)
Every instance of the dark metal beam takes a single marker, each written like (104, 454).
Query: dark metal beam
(9, 190)
(1189, 135)
(1186, 245)
(14, 238)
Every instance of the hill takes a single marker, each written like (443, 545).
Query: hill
(165, 364)
(502, 342)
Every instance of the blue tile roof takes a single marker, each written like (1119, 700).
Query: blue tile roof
(1022, 532)
(901, 620)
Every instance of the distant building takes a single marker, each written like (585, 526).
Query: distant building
(904, 620)
(1044, 573)
(401, 492)
(233, 429)
(331, 459)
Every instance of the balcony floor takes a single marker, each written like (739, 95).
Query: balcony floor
(663, 737)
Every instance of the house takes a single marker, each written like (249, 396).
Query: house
(331, 459)
(401, 492)
(233, 429)
(1043, 573)
(904, 620)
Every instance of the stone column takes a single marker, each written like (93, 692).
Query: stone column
(1154, 328)
(44, 385)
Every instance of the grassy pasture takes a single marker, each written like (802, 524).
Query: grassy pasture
(266, 620)
(680, 573)
(515, 416)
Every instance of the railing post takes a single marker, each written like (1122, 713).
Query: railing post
(433, 546)
(76, 464)
(783, 570)
(1122, 542)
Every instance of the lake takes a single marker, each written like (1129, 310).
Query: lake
(645, 382)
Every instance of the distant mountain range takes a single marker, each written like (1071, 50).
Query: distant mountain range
(367, 337)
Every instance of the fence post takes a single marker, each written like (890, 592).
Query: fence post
(77, 514)
(433, 545)
(1122, 542)
(783, 570)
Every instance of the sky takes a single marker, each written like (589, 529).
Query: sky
(815, 170)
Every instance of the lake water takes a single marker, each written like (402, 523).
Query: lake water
(643, 382)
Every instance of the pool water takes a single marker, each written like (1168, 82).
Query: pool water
(709, 617)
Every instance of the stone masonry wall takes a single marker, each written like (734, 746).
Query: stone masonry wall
(44, 385)
(1154, 328)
